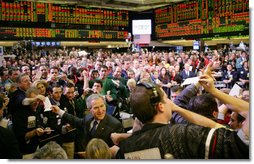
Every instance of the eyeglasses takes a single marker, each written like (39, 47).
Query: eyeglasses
(54, 72)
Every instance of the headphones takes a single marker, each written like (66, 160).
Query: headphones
(155, 98)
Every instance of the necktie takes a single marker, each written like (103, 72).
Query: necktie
(73, 106)
(93, 128)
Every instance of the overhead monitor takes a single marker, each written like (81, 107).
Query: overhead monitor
(43, 43)
(140, 27)
(196, 45)
(38, 44)
(58, 43)
(179, 49)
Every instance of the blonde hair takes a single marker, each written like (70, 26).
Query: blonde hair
(43, 82)
(131, 83)
(97, 149)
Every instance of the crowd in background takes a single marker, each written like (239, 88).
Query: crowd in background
(70, 81)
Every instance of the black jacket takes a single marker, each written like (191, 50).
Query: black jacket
(106, 126)
(9, 147)
(185, 141)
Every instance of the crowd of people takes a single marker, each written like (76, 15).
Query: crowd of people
(63, 105)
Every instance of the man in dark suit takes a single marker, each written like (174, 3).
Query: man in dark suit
(68, 103)
(229, 77)
(186, 73)
(8, 142)
(97, 124)
(23, 82)
(9, 145)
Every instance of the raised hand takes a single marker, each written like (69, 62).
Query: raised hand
(40, 97)
(39, 131)
(55, 109)
(207, 82)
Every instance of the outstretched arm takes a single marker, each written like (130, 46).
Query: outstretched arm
(238, 105)
(196, 118)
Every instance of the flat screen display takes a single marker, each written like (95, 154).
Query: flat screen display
(140, 27)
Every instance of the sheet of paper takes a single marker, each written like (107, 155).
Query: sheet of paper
(125, 115)
(153, 153)
(4, 123)
(235, 91)
(47, 105)
(190, 81)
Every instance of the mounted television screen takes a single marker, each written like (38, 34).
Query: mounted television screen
(196, 45)
(140, 27)
(38, 44)
(43, 43)
(58, 43)
(179, 49)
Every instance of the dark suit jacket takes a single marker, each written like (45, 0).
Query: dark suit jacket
(225, 76)
(65, 103)
(15, 103)
(106, 126)
(9, 145)
(68, 107)
(184, 75)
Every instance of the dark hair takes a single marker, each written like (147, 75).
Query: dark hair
(54, 67)
(143, 101)
(12, 69)
(25, 65)
(176, 88)
(104, 66)
(2, 71)
(204, 104)
(70, 85)
(94, 71)
(56, 85)
(178, 79)
(240, 118)
(98, 81)
(73, 69)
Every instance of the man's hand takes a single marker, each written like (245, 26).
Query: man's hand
(39, 131)
(207, 82)
(48, 130)
(40, 97)
(6, 102)
(116, 138)
(86, 91)
(209, 70)
(85, 74)
(68, 127)
(55, 109)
